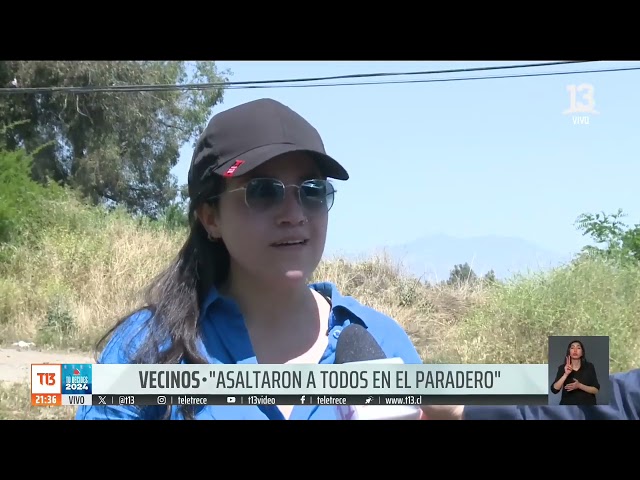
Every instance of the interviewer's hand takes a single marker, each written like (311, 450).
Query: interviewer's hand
(443, 412)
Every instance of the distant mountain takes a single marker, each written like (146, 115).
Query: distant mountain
(433, 257)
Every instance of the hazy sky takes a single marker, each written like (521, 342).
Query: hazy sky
(464, 158)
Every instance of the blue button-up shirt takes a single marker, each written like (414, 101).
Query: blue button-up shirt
(225, 340)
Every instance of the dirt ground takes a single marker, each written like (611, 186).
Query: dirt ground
(15, 363)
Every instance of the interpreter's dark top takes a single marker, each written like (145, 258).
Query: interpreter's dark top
(586, 375)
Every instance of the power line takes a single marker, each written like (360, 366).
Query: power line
(435, 80)
(261, 83)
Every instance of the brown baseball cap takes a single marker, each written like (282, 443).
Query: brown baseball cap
(241, 138)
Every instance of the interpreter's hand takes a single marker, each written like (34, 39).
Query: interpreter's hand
(567, 366)
(572, 386)
(443, 412)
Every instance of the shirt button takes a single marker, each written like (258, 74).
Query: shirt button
(336, 332)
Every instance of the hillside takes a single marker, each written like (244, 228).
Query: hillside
(68, 286)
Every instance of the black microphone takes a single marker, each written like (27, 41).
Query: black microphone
(356, 345)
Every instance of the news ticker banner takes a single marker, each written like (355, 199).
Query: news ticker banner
(355, 383)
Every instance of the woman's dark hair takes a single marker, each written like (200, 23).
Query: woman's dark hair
(174, 297)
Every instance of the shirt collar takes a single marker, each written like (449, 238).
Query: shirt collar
(344, 308)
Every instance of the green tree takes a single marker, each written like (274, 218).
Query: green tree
(490, 277)
(176, 215)
(462, 274)
(114, 147)
(23, 202)
(613, 237)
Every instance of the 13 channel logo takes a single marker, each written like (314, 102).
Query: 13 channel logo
(76, 379)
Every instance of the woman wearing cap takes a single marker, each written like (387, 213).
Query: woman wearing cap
(238, 289)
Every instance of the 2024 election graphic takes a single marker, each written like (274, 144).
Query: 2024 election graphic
(76, 379)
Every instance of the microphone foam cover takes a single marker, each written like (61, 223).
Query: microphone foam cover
(356, 344)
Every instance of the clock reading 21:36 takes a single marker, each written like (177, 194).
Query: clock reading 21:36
(46, 385)
(45, 400)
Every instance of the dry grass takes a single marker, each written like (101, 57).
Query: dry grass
(70, 287)
(429, 313)
(74, 285)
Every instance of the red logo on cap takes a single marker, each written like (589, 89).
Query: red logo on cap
(233, 168)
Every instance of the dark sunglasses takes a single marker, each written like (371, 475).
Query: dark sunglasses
(261, 194)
